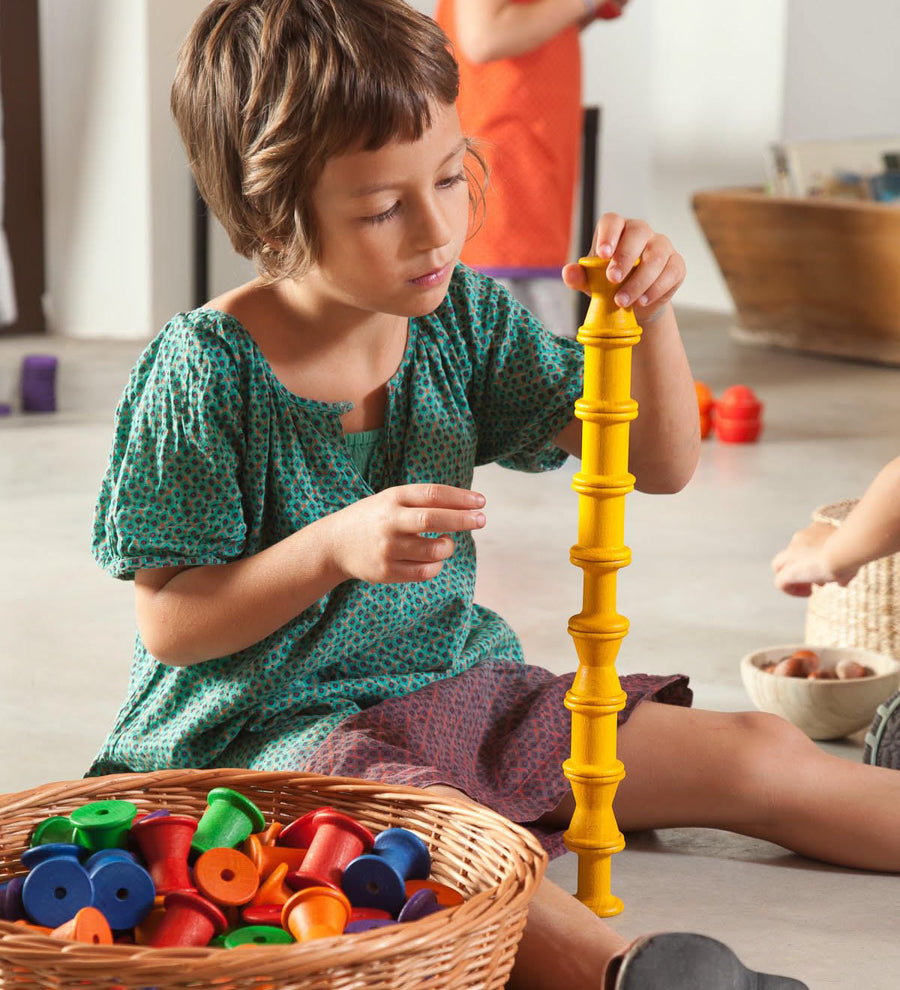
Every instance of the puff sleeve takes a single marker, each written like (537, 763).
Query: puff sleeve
(171, 494)
(524, 379)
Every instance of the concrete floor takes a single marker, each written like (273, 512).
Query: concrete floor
(698, 594)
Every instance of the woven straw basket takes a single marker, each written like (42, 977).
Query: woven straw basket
(496, 864)
(867, 612)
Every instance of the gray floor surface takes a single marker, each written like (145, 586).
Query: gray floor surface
(698, 595)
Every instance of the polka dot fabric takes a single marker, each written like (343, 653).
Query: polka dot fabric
(498, 732)
(213, 459)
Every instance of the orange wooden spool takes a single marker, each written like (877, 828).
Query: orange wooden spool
(446, 896)
(226, 876)
(273, 889)
(266, 857)
(316, 912)
(89, 925)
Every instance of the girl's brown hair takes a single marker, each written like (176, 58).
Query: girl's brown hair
(266, 91)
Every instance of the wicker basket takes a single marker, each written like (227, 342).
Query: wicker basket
(867, 612)
(811, 273)
(496, 864)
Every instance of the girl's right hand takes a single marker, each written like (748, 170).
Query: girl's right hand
(381, 538)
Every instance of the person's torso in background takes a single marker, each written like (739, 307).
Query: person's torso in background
(526, 112)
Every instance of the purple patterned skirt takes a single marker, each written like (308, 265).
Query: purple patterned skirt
(499, 732)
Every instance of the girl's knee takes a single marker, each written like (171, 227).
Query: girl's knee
(769, 753)
(770, 736)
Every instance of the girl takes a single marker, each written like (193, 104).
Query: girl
(290, 485)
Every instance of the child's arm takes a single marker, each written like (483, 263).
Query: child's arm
(187, 615)
(665, 438)
(493, 29)
(822, 553)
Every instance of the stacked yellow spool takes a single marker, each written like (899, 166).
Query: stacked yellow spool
(596, 697)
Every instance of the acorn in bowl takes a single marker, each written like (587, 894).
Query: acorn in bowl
(827, 691)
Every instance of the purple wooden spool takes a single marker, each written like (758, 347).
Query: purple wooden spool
(39, 383)
(368, 924)
(420, 905)
(11, 908)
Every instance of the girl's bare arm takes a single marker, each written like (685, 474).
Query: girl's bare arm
(190, 614)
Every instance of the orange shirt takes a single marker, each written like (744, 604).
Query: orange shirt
(526, 113)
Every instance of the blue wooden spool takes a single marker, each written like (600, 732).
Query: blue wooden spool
(57, 886)
(378, 879)
(123, 889)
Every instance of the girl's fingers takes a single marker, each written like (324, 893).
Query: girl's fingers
(635, 239)
(607, 234)
(423, 549)
(641, 283)
(438, 497)
(653, 282)
(406, 571)
(415, 521)
(653, 286)
(436, 509)
(575, 278)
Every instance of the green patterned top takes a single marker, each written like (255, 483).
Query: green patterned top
(362, 446)
(214, 459)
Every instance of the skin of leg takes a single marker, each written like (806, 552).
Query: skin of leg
(564, 944)
(745, 772)
(758, 775)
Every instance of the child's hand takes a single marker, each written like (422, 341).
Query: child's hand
(380, 538)
(649, 286)
(803, 562)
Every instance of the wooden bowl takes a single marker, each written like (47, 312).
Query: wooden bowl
(823, 709)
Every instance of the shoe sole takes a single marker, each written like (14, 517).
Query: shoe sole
(685, 961)
(882, 748)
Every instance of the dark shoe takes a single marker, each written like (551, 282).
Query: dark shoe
(684, 961)
(883, 739)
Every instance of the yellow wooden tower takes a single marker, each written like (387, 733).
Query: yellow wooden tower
(596, 697)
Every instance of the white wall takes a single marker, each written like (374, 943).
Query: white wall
(171, 191)
(717, 72)
(117, 186)
(843, 70)
(691, 92)
(96, 166)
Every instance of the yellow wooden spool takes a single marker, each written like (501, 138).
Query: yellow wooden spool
(606, 410)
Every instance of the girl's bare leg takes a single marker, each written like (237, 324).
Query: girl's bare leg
(564, 943)
(748, 772)
(758, 775)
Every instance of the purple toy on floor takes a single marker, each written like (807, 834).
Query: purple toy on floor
(39, 383)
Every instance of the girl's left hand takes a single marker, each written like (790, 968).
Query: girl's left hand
(649, 287)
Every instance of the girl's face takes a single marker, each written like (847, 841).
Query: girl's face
(393, 221)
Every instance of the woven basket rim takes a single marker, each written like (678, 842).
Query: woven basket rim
(510, 895)
(834, 513)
